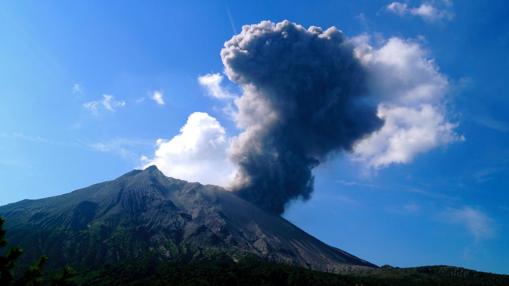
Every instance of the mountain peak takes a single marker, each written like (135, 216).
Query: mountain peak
(143, 209)
(152, 169)
(153, 172)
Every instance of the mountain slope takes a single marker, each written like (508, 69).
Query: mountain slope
(146, 213)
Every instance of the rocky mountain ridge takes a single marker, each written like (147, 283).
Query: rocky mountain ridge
(144, 213)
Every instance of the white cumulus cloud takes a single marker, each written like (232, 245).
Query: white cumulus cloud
(412, 94)
(197, 153)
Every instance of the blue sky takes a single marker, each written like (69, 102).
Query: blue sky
(77, 107)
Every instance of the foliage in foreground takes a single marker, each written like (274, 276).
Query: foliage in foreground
(221, 270)
(32, 276)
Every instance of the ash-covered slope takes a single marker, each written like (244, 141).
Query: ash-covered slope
(146, 213)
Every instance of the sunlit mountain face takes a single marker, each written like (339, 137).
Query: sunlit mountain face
(145, 213)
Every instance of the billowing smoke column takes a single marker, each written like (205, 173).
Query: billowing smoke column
(304, 97)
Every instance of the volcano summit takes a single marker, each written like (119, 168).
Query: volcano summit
(145, 212)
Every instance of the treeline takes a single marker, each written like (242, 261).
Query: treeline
(222, 270)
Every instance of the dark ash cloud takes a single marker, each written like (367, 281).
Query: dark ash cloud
(305, 97)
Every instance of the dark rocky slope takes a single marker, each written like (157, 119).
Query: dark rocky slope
(144, 213)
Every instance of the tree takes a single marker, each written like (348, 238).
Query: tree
(7, 261)
(64, 278)
(33, 276)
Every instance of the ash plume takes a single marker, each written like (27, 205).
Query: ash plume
(304, 98)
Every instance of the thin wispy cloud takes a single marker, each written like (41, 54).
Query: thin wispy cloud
(124, 147)
(37, 139)
(429, 11)
(402, 188)
(77, 89)
(405, 209)
(230, 18)
(363, 20)
(15, 163)
(158, 97)
(347, 183)
(25, 137)
(492, 123)
(476, 222)
(411, 208)
(213, 84)
(107, 103)
(488, 174)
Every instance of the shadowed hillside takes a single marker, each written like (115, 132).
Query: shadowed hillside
(144, 213)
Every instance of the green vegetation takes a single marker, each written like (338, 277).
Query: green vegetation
(221, 270)
(33, 276)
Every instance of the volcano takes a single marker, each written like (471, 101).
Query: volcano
(144, 212)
